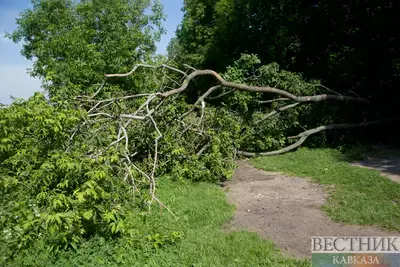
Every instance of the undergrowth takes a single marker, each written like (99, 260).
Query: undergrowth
(195, 238)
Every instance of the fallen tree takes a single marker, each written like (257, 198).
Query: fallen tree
(149, 113)
(153, 105)
(89, 165)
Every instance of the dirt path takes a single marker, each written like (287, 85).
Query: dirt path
(285, 209)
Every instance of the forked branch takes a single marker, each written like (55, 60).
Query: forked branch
(241, 87)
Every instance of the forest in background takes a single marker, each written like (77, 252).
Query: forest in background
(351, 47)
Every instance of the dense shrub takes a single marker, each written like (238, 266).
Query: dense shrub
(51, 189)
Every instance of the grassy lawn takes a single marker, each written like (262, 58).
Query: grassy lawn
(360, 196)
(202, 210)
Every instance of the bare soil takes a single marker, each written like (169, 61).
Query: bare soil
(285, 210)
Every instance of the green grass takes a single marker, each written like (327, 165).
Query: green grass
(360, 152)
(360, 196)
(202, 211)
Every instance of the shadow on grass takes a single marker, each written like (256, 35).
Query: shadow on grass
(357, 153)
(383, 159)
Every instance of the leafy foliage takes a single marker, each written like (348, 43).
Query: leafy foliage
(196, 238)
(258, 132)
(214, 33)
(51, 190)
(74, 43)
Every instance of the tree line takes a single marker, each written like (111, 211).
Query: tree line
(351, 47)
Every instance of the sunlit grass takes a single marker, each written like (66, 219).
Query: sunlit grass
(202, 211)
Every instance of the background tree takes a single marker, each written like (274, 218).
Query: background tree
(74, 43)
(216, 33)
(350, 46)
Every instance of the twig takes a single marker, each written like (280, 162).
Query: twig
(98, 91)
(189, 67)
(330, 90)
(153, 183)
(203, 149)
(164, 206)
(203, 107)
(126, 116)
(201, 99)
(221, 95)
(354, 93)
(278, 110)
(273, 100)
(145, 66)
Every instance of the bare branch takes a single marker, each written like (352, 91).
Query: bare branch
(201, 99)
(353, 93)
(278, 110)
(339, 126)
(189, 67)
(273, 100)
(145, 66)
(152, 176)
(94, 107)
(165, 207)
(266, 89)
(203, 107)
(304, 135)
(126, 116)
(98, 90)
(330, 90)
(117, 98)
(221, 95)
(201, 151)
(276, 152)
(242, 87)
